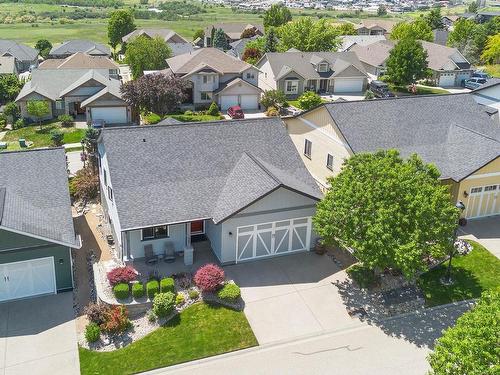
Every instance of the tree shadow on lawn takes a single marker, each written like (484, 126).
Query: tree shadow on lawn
(426, 325)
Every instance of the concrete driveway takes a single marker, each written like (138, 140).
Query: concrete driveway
(291, 296)
(485, 231)
(38, 336)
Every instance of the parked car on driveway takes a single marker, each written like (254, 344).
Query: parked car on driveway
(479, 74)
(235, 112)
(380, 89)
(474, 83)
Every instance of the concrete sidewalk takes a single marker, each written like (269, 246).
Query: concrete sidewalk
(485, 231)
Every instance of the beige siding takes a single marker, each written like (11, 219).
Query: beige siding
(317, 126)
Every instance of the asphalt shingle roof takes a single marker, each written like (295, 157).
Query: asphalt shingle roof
(176, 173)
(233, 29)
(79, 60)
(217, 59)
(7, 65)
(35, 198)
(451, 131)
(17, 50)
(80, 45)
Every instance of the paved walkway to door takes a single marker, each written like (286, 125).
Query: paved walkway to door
(291, 296)
(486, 231)
(38, 336)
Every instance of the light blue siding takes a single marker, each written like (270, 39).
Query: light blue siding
(177, 236)
(214, 233)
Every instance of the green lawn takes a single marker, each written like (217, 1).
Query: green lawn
(492, 70)
(472, 273)
(421, 90)
(295, 102)
(199, 331)
(195, 117)
(41, 138)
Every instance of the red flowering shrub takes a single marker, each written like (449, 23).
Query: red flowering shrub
(116, 320)
(121, 275)
(209, 277)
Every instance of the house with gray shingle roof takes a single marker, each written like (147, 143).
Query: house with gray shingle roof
(450, 68)
(36, 225)
(453, 132)
(240, 184)
(89, 47)
(488, 94)
(177, 43)
(25, 57)
(80, 60)
(214, 76)
(8, 65)
(87, 93)
(232, 30)
(295, 72)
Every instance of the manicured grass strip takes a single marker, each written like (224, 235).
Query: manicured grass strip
(195, 118)
(403, 90)
(199, 331)
(295, 103)
(472, 274)
(72, 149)
(41, 137)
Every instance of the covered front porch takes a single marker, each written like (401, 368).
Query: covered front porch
(319, 86)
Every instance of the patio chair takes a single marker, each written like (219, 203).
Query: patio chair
(169, 253)
(149, 254)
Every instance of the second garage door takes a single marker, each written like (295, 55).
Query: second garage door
(111, 115)
(272, 239)
(447, 80)
(249, 101)
(483, 201)
(27, 278)
(227, 101)
(342, 85)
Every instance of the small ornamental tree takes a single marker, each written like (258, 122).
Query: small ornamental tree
(309, 100)
(11, 109)
(471, 346)
(393, 213)
(407, 62)
(121, 275)
(200, 33)
(209, 277)
(434, 18)
(491, 54)
(381, 11)
(38, 109)
(57, 137)
(219, 40)
(44, 47)
(9, 87)
(346, 28)
(120, 23)
(248, 33)
(157, 93)
(145, 53)
(251, 55)
(86, 184)
(273, 98)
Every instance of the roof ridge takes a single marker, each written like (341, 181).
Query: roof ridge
(397, 98)
(261, 166)
(3, 192)
(33, 150)
(478, 133)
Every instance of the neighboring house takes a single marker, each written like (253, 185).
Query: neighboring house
(216, 77)
(25, 57)
(451, 131)
(374, 27)
(363, 40)
(450, 68)
(81, 61)
(241, 184)
(233, 31)
(237, 48)
(177, 43)
(489, 95)
(77, 92)
(485, 16)
(8, 65)
(71, 47)
(449, 20)
(323, 72)
(36, 226)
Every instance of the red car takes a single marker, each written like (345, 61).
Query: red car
(235, 112)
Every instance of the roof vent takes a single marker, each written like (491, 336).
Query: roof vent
(144, 139)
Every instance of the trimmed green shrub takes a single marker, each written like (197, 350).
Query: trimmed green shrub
(57, 137)
(152, 288)
(180, 299)
(151, 316)
(3, 121)
(193, 294)
(213, 110)
(364, 276)
(121, 291)
(66, 120)
(152, 118)
(230, 292)
(167, 284)
(18, 124)
(309, 100)
(96, 313)
(272, 112)
(163, 304)
(138, 290)
(92, 332)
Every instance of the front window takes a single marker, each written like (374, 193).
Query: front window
(207, 79)
(323, 67)
(153, 233)
(250, 75)
(59, 104)
(329, 162)
(206, 96)
(307, 148)
(292, 87)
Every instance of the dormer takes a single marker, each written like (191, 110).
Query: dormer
(320, 64)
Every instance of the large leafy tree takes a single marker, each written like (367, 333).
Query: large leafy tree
(392, 212)
(434, 18)
(44, 47)
(251, 55)
(145, 53)
(471, 346)
(418, 29)
(407, 62)
(308, 35)
(120, 23)
(157, 93)
(9, 87)
(491, 54)
(276, 16)
(346, 28)
(462, 34)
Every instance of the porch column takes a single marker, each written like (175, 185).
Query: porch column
(188, 251)
(188, 234)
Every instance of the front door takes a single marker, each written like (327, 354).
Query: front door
(197, 227)
(323, 85)
(78, 109)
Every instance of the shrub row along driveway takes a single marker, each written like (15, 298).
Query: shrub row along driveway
(291, 296)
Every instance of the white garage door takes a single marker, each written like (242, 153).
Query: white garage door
(227, 101)
(483, 201)
(249, 102)
(27, 278)
(111, 115)
(348, 85)
(271, 239)
(447, 80)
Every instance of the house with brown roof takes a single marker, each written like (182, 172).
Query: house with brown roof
(214, 76)
(374, 27)
(232, 30)
(177, 43)
(80, 60)
(450, 68)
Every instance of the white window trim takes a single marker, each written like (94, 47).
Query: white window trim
(209, 95)
(295, 87)
(155, 238)
(323, 64)
(329, 166)
(306, 154)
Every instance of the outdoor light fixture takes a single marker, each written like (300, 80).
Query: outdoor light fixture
(460, 205)
(61, 260)
(230, 233)
(466, 194)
